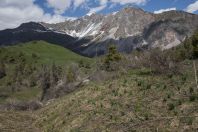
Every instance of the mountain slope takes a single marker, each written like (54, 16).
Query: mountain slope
(33, 31)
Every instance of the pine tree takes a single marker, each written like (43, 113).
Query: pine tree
(111, 58)
(195, 45)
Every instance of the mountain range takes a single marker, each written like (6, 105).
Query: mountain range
(128, 29)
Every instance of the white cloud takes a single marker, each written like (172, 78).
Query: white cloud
(123, 2)
(137, 2)
(164, 10)
(59, 5)
(192, 7)
(16, 3)
(96, 9)
(78, 3)
(15, 12)
(103, 4)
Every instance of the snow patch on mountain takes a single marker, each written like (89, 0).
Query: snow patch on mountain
(91, 30)
(112, 33)
(114, 13)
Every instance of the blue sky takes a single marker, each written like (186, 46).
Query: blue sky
(15, 12)
(148, 5)
(154, 5)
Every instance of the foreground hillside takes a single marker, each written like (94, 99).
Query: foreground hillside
(150, 90)
(137, 100)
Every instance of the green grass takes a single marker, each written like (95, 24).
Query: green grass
(27, 94)
(47, 53)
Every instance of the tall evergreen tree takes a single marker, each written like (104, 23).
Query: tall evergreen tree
(111, 58)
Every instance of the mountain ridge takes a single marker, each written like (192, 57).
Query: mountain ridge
(128, 29)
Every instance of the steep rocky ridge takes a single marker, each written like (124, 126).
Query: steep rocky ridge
(128, 29)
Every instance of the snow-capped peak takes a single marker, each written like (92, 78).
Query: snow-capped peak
(90, 13)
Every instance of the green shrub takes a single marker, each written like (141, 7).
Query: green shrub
(179, 102)
(191, 90)
(192, 98)
(81, 63)
(35, 56)
(189, 49)
(56, 73)
(2, 70)
(146, 116)
(144, 85)
(171, 106)
(195, 45)
(71, 74)
(115, 92)
(140, 82)
(187, 120)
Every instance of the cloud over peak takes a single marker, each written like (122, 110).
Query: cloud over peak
(164, 10)
(15, 12)
(60, 6)
(192, 7)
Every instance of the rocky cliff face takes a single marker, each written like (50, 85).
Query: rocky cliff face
(128, 29)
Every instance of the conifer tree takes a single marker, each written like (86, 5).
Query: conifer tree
(111, 58)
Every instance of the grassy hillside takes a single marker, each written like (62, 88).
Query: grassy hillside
(46, 53)
(22, 65)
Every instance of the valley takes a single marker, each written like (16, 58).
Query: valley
(130, 70)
